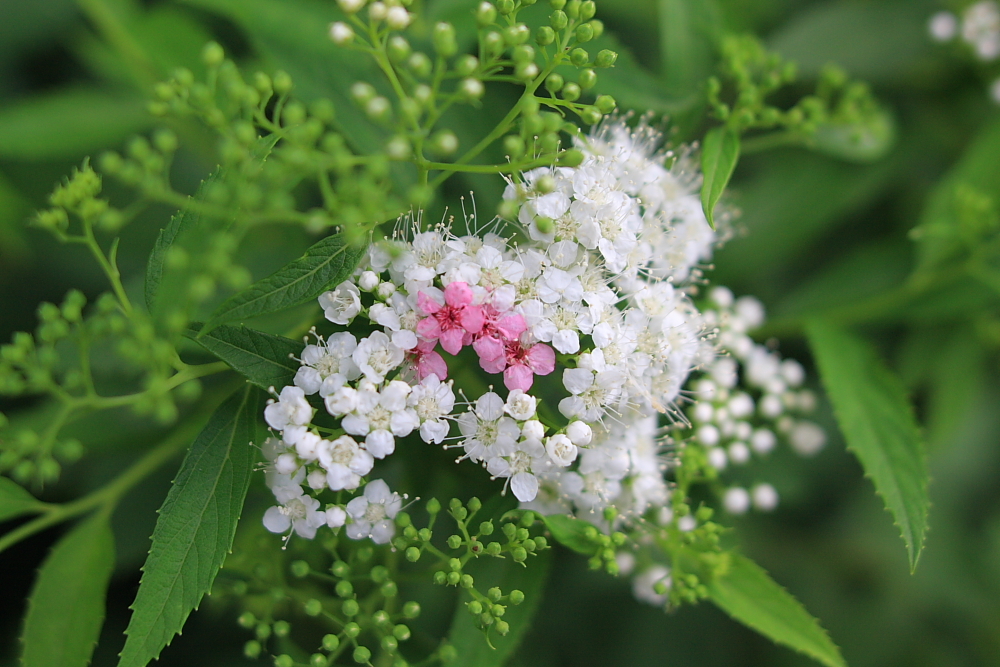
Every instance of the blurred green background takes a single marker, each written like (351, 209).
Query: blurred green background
(815, 233)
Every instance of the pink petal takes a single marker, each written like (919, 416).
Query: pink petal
(429, 328)
(451, 340)
(432, 363)
(471, 318)
(458, 294)
(427, 304)
(518, 377)
(541, 358)
(512, 326)
(493, 365)
(488, 347)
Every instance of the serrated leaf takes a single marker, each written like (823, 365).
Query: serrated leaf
(748, 594)
(720, 152)
(195, 529)
(185, 231)
(262, 358)
(470, 644)
(878, 423)
(69, 123)
(323, 266)
(15, 501)
(571, 532)
(66, 607)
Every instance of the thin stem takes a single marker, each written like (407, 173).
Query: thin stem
(109, 495)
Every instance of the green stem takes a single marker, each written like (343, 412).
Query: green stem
(107, 497)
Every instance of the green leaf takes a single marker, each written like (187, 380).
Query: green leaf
(571, 532)
(262, 358)
(185, 231)
(879, 426)
(323, 266)
(195, 529)
(748, 594)
(719, 153)
(15, 501)
(66, 607)
(69, 123)
(470, 644)
(688, 31)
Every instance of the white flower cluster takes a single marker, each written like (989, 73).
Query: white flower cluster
(979, 27)
(603, 281)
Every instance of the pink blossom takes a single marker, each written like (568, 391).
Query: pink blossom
(520, 364)
(428, 362)
(453, 323)
(498, 329)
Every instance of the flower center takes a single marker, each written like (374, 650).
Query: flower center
(294, 509)
(379, 419)
(375, 512)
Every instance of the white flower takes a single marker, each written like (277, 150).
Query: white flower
(807, 438)
(373, 512)
(296, 511)
(341, 33)
(342, 304)
(376, 355)
(384, 421)
(291, 409)
(765, 498)
(397, 18)
(345, 462)
(519, 405)
(579, 433)
(592, 393)
(561, 450)
(336, 517)
(327, 366)
(487, 431)
(644, 586)
(736, 500)
(432, 400)
(518, 468)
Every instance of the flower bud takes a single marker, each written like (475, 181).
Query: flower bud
(341, 33)
(472, 89)
(398, 48)
(486, 14)
(605, 58)
(554, 83)
(587, 79)
(584, 33)
(571, 92)
(213, 54)
(558, 20)
(444, 39)
(282, 82)
(351, 6)
(420, 65)
(397, 18)
(605, 104)
(362, 655)
(545, 35)
(505, 7)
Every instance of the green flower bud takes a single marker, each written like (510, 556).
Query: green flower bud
(573, 8)
(486, 14)
(605, 104)
(411, 609)
(502, 627)
(474, 504)
(362, 655)
(440, 577)
(424, 534)
(344, 589)
(519, 554)
(516, 597)
(283, 660)
(398, 48)
(213, 54)
(401, 632)
(247, 620)
(263, 631)
(460, 513)
(584, 33)
(605, 58)
(486, 528)
(545, 35)
(317, 660)
(467, 65)
(282, 628)
(498, 610)
(390, 644)
(455, 564)
(493, 44)
(331, 642)
(475, 607)
(252, 649)
(587, 10)
(389, 589)
(443, 143)
(340, 569)
(453, 578)
(444, 39)
(454, 541)
(412, 554)
(380, 617)
(516, 34)
(433, 507)
(467, 581)
(505, 7)
(557, 4)
(558, 20)
(300, 569)
(591, 115)
(554, 83)
(352, 630)
(313, 607)
(447, 653)
(378, 108)
(571, 92)
(571, 158)
(579, 57)
(494, 548)
(282, 82)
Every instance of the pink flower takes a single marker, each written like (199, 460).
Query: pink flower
(520, 364)
(497, 331)
(428, 362)
(453, 323)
